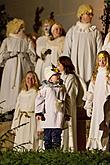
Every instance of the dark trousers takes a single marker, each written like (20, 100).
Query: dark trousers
(52, 138)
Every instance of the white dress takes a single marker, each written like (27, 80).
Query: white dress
(25, 113)
(56, 47)
(70, 134)
(19, 52)
(106, 45)
(100, 90)
(82, 43)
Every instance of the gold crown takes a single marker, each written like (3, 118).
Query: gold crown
(101, 55)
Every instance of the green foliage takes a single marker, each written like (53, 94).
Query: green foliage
(106, 16)
(54, 157)
(107, 1)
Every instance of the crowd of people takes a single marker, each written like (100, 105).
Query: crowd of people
(44, 82)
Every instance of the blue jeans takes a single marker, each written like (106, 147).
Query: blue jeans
(52, 138)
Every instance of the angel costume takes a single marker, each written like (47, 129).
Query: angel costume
(54, 49)
(82, 43)
(24, 114)
(106, 45)
(100, 90)
(17, 53)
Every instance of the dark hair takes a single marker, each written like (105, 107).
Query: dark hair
(67, 64)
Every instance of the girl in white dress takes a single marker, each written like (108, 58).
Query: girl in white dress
(99, 89)
(24, 114)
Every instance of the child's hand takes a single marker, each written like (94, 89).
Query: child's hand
(67, 117)
(38, 117)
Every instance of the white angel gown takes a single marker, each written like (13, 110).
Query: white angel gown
(100, 90)
(19, 51)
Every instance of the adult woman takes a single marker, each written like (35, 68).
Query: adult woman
(75, 91)
(24, 113)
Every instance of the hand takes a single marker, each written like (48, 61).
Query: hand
(67, 117)
(38, 117)
(48, 51)
(89, 112)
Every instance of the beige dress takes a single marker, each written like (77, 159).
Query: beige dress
(25, 137)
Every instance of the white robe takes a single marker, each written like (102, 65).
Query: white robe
(56, 47)
(20, 52)
(106, 45)
(26, 133)
(70, 134)
(82, 43)
(100, 90)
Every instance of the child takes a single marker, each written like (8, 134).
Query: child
(99, 89)
(50, 107)
(24, 113)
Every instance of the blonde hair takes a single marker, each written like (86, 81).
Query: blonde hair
(102, 54)
(14, 26)
(83, 9)
(36, 85)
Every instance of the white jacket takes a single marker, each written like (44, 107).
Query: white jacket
(51, 101)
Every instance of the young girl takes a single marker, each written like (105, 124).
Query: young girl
(50, 107)
(99, 89)
(24, 113)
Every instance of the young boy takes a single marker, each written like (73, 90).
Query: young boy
(51, 107)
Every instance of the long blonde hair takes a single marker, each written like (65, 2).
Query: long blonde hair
(36, 85)
(106, 55)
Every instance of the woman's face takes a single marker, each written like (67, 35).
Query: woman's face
(102, 62)
(56, 31)
(60, 67)
(30, 80)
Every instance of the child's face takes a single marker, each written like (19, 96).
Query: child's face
(102, 62)
(86, 18)
(54, 78)
(30, 80)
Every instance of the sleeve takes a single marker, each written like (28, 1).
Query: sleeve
(106, 45)
(89, 99)
(99, 41)
(67, 105)
(15, 121)
(68, 43)
(72, 88)
(4, 54)
(40, 102)
(38, 48)
(32, 53)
